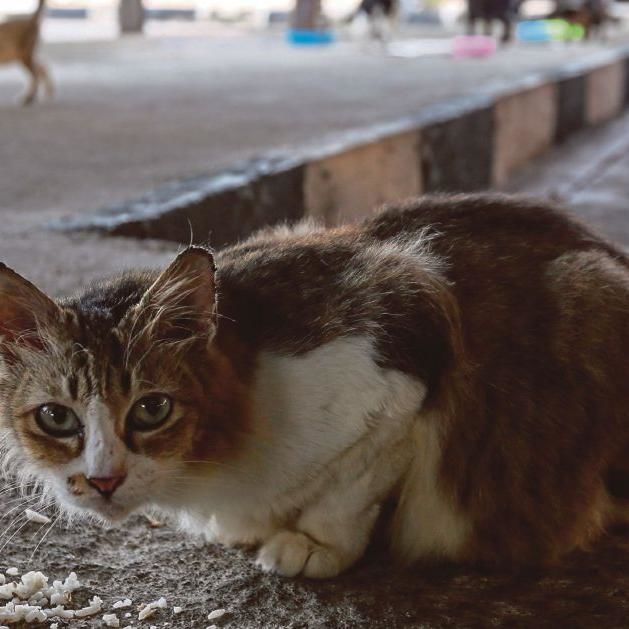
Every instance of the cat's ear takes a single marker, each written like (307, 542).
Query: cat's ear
(24, 310)
(181, 303)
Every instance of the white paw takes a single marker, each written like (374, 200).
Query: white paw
(290, 554)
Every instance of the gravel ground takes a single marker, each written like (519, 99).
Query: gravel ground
(144, 563)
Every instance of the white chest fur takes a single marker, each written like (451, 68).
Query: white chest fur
(310, 410)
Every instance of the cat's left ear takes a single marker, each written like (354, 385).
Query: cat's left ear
(181, 303)
(24, 310)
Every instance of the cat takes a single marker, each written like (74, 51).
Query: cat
(19, 39)
(457, 362)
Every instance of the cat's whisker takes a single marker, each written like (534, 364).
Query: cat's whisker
(22, 500)
(10, 527)
(12, 488)
(45, 535)
(25, 506)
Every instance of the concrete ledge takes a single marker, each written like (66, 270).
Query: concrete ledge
(525, 124)
(462, 144)
(570, 107)
(606, 88)
(339, 187)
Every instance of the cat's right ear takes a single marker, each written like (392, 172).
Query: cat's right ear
(24, 309)
(181, 303)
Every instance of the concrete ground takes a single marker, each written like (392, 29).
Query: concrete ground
(144, 563)
(132, 114)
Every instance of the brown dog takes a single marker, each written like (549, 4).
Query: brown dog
(18, 42)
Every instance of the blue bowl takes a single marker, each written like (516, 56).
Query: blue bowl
(310, 38)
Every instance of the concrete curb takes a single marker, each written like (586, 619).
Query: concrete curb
(463, 144)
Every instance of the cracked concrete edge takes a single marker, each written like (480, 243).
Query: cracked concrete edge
(462, 144)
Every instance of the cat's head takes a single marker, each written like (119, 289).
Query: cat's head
(107, 398)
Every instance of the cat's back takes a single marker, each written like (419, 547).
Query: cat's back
(488, 224)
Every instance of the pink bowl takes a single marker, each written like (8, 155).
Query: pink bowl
(473, 46)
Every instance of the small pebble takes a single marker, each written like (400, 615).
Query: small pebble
(13, 572)
(177, 610)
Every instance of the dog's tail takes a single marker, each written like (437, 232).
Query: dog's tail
(41, 5)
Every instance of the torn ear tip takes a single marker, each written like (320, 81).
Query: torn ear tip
(198, 250)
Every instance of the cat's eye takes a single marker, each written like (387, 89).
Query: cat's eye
(150, 412)
(58, 421)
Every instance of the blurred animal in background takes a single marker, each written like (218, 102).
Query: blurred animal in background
(19, 39)
(592, 15)
(381, 15)
(489, 10)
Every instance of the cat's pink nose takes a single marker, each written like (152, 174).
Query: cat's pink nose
(106, 486)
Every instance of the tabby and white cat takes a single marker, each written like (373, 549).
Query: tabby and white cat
(461, 361)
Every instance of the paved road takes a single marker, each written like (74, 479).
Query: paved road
(145, 563)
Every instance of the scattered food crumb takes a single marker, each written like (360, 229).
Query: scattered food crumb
(95, 606)
(111, 620)
(150, 608)
(177, 610)
(127, 602)
(127, 615)
(153, 522)
(32, 599)
(216, 614)
(13, 572)
(38, 518)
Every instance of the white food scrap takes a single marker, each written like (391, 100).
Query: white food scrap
(95, 606)
(216, 614)
(177, 610)
(127, 602)
(33, 600)
(38, 518)
(13, 572)
(150, 608)
(111, 620)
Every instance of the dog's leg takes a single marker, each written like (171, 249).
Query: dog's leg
(44, 75)
(31, 93)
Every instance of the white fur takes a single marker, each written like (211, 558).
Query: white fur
(330, 442)
(427, 523)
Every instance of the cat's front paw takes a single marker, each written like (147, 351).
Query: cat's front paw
(290, 553)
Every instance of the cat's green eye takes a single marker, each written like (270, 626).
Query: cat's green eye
(58, 421)
(150, 412)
